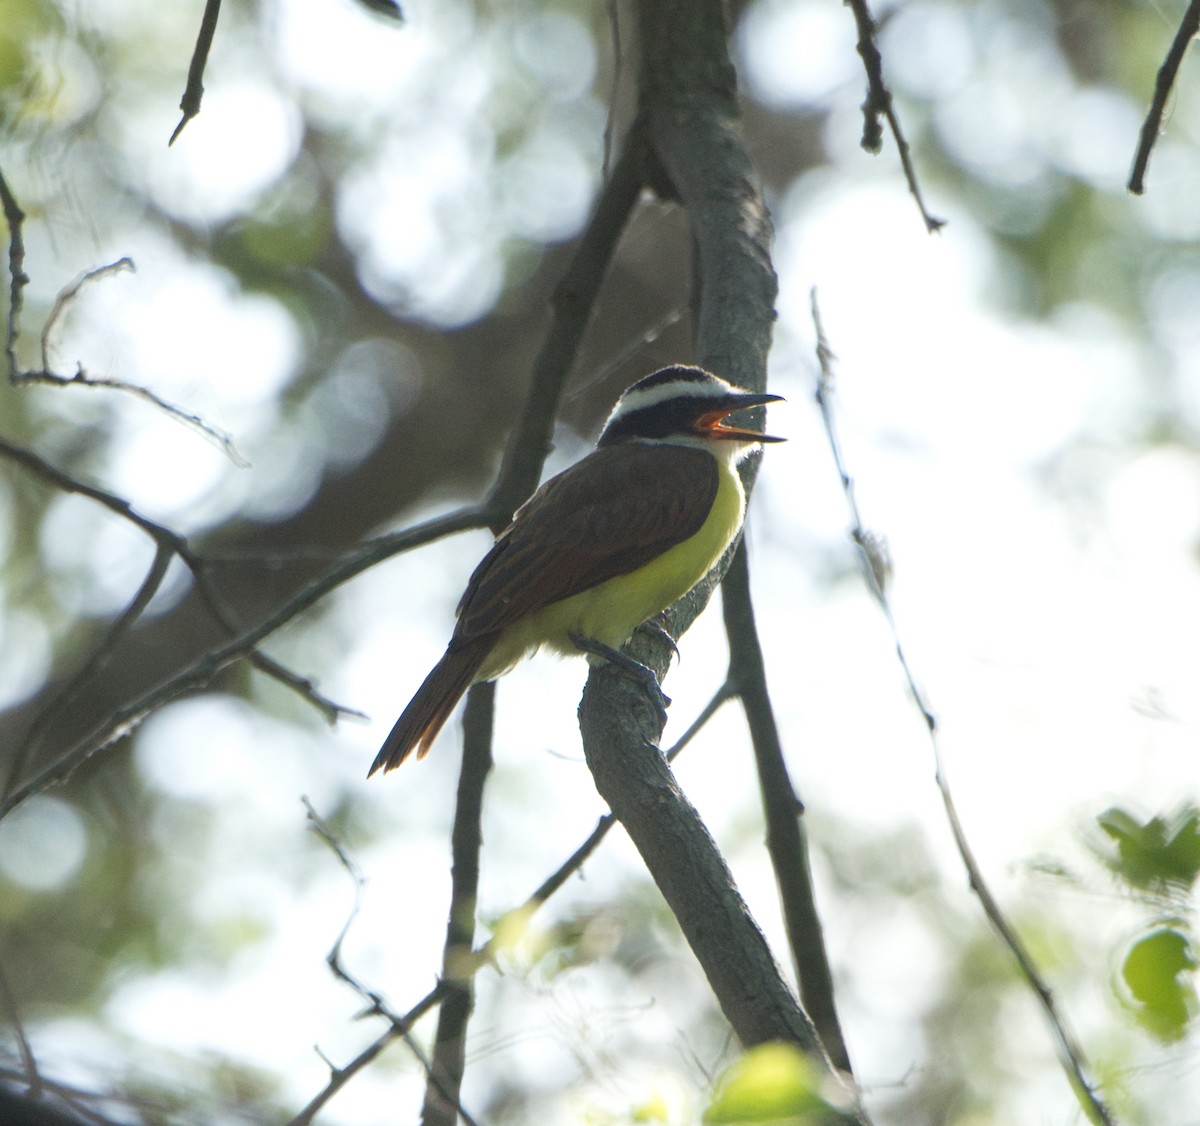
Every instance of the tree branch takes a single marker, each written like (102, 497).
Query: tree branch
(879, 103)
(443, 1103)
(787, 841)
(201, 672)
(18, 279)
(634, 778)
(194, 90)
(1164, 83)
(168, 544)
(573, 301)
(875, 570)
(689, 109)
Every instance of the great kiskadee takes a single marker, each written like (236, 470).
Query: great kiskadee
(603, 546)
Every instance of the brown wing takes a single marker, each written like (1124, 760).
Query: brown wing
(607, 515)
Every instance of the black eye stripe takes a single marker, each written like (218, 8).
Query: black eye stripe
(672, 416)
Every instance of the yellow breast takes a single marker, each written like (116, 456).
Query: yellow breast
(612, 610)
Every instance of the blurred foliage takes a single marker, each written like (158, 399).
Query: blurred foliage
(1157, 861)
(772, 1085)
(365, 276)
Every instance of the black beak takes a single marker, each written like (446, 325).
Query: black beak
(713, 423)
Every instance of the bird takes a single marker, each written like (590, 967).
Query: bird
(602, 547)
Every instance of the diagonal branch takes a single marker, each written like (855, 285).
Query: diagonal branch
(400, 1026)
(194, 90)
(201, 672)
(1164, 83)
(168, 544)
(875, 571)
(879, 103)
(95, 664)
(573, 301)
(787, 840)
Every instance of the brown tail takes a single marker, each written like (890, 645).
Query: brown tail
(433, 704)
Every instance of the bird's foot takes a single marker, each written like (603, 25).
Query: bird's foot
(635, 670)
(658, 627)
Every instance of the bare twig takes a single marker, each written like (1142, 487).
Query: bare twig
(1164, 83)
(401, 1026)
(787, 841)
(200, 673)
(442, 1105)
(879, 103)
(194, 90)
(32, 1079)
(92, 667)
(63, 301)
(46, 375)
(576, 860)
(875, 571)
(573, 300)
(168, 544)
(17, 278)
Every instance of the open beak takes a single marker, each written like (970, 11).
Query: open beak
(714, 424)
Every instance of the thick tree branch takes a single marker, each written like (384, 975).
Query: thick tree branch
(633, 777)
(689, 110)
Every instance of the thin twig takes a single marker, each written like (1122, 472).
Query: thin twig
(18, 279)
(1069, 1052)
(176, 545)
(401, 1026)
(32, 1079)
(201, 672)
(1164, 83)
(66, 298)
(95, 664)
(787, 842)
(577, 859)
(610, 121)
(398, 1028)
(879, 103)
(194, 91)
(47, 376)
(443, 1102)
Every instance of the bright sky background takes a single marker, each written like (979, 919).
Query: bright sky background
(1045, 574)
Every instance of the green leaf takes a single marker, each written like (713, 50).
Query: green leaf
(1163, 850)
(1154, 969)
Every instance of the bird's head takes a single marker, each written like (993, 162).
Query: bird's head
(686, 406)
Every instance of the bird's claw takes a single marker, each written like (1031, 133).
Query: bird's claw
(635, 670)
(657, 626)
